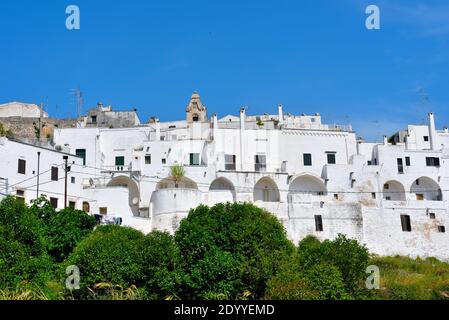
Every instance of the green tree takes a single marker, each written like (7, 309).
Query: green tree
(160, 261)
(350, 257)
(23, 259)
(247, 242)
(65, 229)
(110, 254)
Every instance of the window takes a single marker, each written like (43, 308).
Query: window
(388, 198)
(54, 202)
(406, 223)
(72, 205)
(194, 159)
(148, 159)
(307, 159)
(164, 161)
(104, 211)
(94, 119)
(419, 197)
(120, 161)
(426, 138)
(331, 158)
(417, 182)
(319, 223)
(230, 162)
(20, 196)
(407, 161)
(54, 174)
(386, 186)
(261, 163)
(370, 163)
(196, 118)
(400, 166)
(373, 195)
(441, 229)
(22, 166)
(336, 196)
(72, 180)
(432, 162)
(81, 153)
(432, 216)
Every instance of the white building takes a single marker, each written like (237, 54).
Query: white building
(21, 110)
(317, 179)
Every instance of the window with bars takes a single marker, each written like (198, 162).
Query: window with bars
(432, 162)
(331, 157)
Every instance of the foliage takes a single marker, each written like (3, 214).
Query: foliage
(404, 278)
(23, 257)
(160, 261)
(110, 254)
(247, 243)
(4, 132)
(177, 172)
(351, 258)
(65, 229)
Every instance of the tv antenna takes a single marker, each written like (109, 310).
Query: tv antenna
(78, 100)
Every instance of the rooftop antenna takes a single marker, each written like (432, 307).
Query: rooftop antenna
(78, 100)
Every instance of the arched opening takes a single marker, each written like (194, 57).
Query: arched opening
(133, 191)
(266, 190)
(170, 183)
(393, 191)
(426, 189)
(86, 207)
(221, 191)
(195, 118)
(308, 184)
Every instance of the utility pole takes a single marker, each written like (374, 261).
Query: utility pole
(38, 172)
(66, 170)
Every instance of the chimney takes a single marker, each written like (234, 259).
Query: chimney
(280, 115)
(158, 130)
(432, 132)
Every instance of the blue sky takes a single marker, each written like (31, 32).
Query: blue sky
(311, 56)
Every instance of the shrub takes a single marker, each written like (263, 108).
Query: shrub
(160, 261)
(248, 242)
(347, 255)
(65, 229)
(110, 254)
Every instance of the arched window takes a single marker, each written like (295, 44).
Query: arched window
(393, 191)
(426, 189)
(196, 118)
(266, 190)
(86, 207)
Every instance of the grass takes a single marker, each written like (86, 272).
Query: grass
(403, 278)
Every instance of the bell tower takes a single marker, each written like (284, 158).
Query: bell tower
(196, 111)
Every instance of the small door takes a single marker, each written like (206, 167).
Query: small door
(420, 197)
(266, 195)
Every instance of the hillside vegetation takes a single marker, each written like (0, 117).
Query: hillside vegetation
(229, 251)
